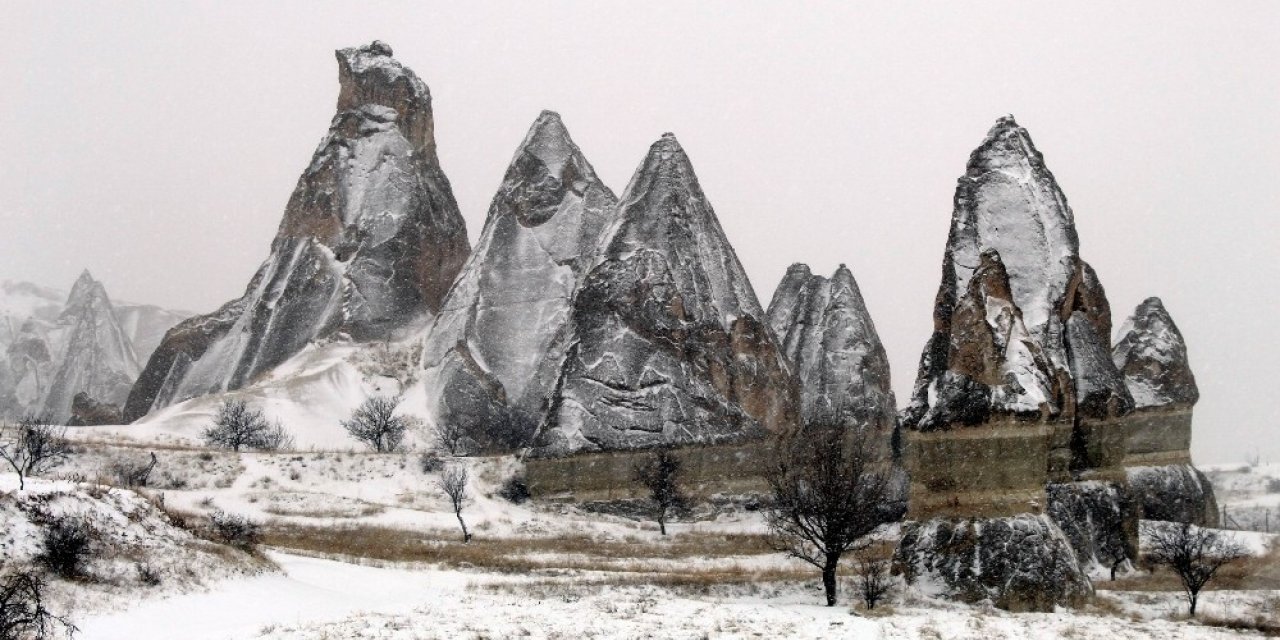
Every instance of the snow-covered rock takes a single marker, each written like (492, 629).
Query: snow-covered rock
(669, 341)
(1174, 493)
(828, 338)
(1099, 519)
(97, 357)
(369, 243)
(1152, 355)
(1019, 563)
(493, 353)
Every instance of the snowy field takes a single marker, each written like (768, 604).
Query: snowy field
(363, 545)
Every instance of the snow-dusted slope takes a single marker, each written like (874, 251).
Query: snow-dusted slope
(369, 242)
(97, 357)
(493, 352)
(831, 343)
(670, 344)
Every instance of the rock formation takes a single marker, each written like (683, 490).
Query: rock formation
(1152, 355)
(831, 343)
(369, 243)
(669, 343)
(97, 358)
(828, 338)
(493, 354)
(1015, 391)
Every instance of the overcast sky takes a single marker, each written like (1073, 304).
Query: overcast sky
(157, 144)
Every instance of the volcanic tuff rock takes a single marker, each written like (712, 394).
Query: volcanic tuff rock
(1152, 355)
(1020, 563)
(831, 343)
(669, 343)
(493, 354)
(97, 358)
(369, 243)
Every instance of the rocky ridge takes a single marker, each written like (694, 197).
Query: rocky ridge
(493, 353)
(669, 343)
(369, 243)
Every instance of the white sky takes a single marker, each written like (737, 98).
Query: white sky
(157, 143)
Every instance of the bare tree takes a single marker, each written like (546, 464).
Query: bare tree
(33, 446)
(1194, 553)
(451, 437)
(238, 426)
(660, 474)
(23, 615)
(375, 424)
(825, 498)
(453, 482)
(874, 580)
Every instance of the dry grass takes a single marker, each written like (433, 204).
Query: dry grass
(544, 556)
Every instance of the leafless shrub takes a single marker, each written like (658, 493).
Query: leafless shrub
(515, 490)
(131, 472)
(375, 424)
(1194, 553)
(451, 437)
(825, 498)
(236, 426)
(23, 615)
(659, 473)
(874, 580)
(67, 545)
(235, 530)
(453, 482)
(430, 462)
(33, 446)
(147, 574)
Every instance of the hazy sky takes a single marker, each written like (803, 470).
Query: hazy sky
(156, 144)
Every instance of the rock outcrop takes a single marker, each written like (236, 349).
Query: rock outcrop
(1152, 355)
(669, 343)
(370, 241)
(828, 338)
(1015, 391)
(96, 359)
(493, 354)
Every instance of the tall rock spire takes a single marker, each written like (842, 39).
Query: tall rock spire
(97, 358)
(670, 344)
(831, 343)
(1152, 355)
(368, 245)
(493, 353)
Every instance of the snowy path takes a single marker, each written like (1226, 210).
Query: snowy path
(310, 590)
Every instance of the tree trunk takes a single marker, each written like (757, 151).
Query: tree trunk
(829, 578)
(662, 524)
(1193, 597)
(466, 535)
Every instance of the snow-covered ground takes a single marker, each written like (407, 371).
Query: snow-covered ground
(1248, 494)
(368, 548)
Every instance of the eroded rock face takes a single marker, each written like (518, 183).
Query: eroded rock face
(1099, 519)
(97, 358)
(85, 411)
(369, 243)
(669, 343)
(1152, 355)
(493, 353)
(828, 337)
(1020, 563)
(1175, 493)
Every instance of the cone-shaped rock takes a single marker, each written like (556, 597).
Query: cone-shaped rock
(831, 343)
(670, 344)
(494, 351)
(97, 359)
(1152, 355)
(369, 243)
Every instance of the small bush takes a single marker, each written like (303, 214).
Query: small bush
(131, 472)
(515, 490)
(376, 424)
(67, 545)
(430, 462)
(23, 615)
(235, 530)
(148, 575)
(236, 427)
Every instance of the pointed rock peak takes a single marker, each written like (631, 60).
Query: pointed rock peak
(548, 140)
(1006, 143)
(843, 274)
(667, 147)
(87, 278)
(85, 286)
(371, 78)
(1152, 355)
(800, 269)
(1151, 306)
